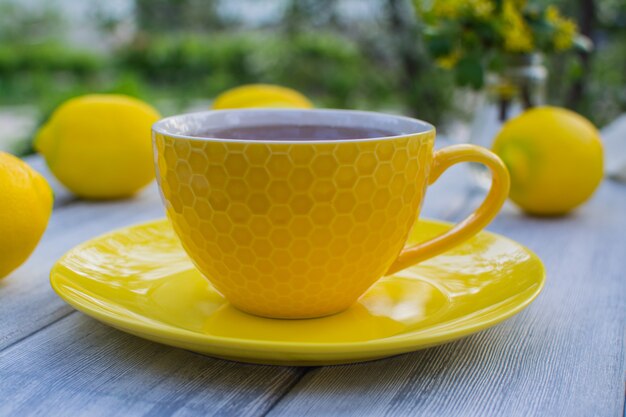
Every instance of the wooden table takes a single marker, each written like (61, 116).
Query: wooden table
(563, 356)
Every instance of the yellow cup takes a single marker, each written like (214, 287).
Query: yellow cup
(301, 229)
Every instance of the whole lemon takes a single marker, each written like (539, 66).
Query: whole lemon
(99, 146)
(25, 207)
(555, 159)
(261, 95)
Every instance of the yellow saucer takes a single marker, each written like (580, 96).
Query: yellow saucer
(139, 280)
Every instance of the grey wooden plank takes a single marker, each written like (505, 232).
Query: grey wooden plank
(78, 367)
(563, 356)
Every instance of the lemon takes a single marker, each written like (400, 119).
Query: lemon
(555, 159)
(261, 95)
(25, 207)
(99, 146)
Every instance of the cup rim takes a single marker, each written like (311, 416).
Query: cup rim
(162, 126)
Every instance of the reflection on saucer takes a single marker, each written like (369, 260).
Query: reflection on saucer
(388, 308)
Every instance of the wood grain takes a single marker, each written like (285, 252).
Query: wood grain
(78, 367)
(563, 356)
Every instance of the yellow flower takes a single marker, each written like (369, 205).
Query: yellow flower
(448, 61)
(552, 14)
(517, 35)
(481, 8)
(452, 9)
(518, 41)
(447, 8)
(564, 37)
(565, 28)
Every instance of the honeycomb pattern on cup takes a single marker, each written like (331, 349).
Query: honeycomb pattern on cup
(293, 230)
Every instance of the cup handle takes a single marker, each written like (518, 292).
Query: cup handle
(475, 222)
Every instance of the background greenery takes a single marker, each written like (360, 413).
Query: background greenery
(180, 52)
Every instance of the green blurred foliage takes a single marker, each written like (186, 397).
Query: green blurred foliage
(179, 16)
(21, 25)
(49, 57)
(328, 67)
(593, 84)
(204, 63)
(172, 55)
(379, 64)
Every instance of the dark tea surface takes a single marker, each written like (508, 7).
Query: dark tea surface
(294, 132)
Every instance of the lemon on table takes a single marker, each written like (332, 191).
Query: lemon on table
(99, 146)
(261, 95)
(25, 207)
(555, 159)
